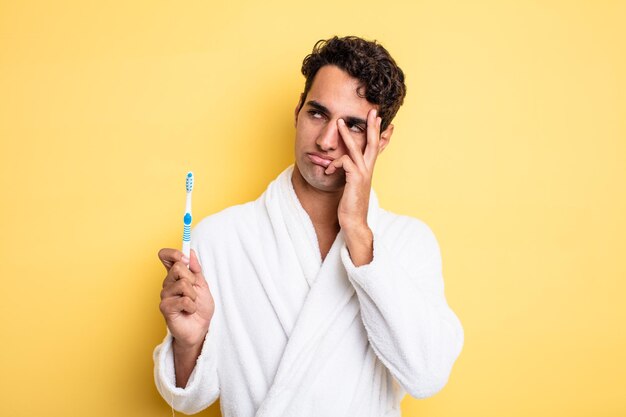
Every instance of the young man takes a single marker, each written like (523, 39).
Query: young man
(312, 300)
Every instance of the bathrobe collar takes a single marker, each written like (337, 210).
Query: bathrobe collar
(331, 304)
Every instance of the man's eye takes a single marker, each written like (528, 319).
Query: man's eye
(356, 128)
(315, 114)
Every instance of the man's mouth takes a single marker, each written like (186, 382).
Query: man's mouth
(319, 160)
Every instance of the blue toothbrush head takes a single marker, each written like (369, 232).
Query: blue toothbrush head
(189, 182)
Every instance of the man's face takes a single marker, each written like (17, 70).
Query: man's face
(333, 96)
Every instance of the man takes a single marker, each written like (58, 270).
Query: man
(312, 300)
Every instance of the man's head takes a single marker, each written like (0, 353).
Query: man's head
(346, 78)
(381, 81)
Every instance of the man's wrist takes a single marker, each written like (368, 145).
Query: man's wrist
(185, 359)
(185, 349)
(360, 243)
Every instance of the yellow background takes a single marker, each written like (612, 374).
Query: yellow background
(511, 145)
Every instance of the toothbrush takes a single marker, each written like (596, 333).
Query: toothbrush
(187, 218)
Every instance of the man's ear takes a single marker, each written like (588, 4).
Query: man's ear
(385, 137)
(297, 109)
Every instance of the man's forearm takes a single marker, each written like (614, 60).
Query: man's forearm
(184, 362)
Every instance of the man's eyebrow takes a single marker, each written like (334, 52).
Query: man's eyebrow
(350, 120)
(354, 121)
(318, 106)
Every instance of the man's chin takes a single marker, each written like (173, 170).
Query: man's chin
(314, 175)
(324, 182)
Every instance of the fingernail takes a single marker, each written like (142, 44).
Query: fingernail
(185, 259)
(375, 112)
(340, 121)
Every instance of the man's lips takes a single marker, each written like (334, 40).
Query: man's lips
(319, 159)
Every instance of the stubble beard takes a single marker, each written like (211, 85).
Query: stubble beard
(314, 176)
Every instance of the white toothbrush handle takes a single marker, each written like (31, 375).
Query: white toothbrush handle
(186, 248)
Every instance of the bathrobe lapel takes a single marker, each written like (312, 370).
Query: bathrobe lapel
(329, 308)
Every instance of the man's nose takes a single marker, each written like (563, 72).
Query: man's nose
(328, 138)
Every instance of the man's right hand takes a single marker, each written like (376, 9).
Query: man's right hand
(186, 301)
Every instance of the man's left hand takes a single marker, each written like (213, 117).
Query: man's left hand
(359, 169)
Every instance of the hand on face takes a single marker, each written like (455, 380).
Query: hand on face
(359, 169)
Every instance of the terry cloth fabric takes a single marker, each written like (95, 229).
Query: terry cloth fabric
(293, 335)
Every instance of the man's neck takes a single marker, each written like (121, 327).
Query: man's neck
(321, 206)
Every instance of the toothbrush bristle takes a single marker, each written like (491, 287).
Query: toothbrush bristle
(189, 182)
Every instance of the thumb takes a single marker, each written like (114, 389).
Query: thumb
(194, 264)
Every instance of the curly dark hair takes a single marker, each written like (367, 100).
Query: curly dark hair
(367, 61)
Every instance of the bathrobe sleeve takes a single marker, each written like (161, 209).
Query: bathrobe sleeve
(203, 386)
(403, 307)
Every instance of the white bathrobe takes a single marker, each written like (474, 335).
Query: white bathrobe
(294, 336)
